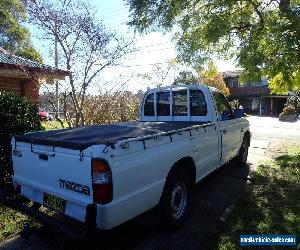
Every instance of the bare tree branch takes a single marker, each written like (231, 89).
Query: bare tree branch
(83, 43)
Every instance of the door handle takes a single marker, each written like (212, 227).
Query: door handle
(224, 131)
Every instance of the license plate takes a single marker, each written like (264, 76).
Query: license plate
(54, 203)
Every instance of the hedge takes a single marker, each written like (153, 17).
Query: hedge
(17, 116)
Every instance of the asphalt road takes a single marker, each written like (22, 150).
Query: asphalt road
(211, 201)
(267, 131)
(269, 128)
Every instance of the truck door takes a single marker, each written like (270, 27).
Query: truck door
(229, 128)
(205, 145)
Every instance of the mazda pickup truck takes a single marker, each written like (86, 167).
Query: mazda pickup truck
(109, 174)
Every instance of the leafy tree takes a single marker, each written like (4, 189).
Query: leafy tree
(185, 77)
(107, 107)
(213, 78)
(13, 35)
(263, 34)
(278, 86)
(210, 77)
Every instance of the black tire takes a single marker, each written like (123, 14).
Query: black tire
(243, 152)
(175, 200)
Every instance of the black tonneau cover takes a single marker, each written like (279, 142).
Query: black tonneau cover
(81, 138)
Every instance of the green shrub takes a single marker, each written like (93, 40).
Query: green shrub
(294, 100)
(17, 116)
(234, 104)
(289, 110)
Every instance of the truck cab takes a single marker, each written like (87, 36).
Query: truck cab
(197, 103)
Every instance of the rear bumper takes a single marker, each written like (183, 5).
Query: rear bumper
(89, 226)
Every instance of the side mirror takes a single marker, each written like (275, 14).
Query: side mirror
(239, 113)
(226, 116)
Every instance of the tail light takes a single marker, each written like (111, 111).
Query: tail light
(102, 181)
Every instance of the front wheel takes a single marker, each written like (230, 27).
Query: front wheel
(175, 199)
(243, 153)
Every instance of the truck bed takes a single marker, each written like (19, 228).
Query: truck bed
(83, 137)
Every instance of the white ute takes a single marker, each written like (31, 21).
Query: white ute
(111, 173)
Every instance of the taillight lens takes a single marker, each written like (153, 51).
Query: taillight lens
(102, 181)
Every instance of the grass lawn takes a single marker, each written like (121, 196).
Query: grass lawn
(270, 204)
(11, 222)
(48, 125)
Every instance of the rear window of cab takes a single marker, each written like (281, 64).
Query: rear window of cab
(198, 105)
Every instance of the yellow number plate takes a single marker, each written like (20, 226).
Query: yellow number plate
(54, 203)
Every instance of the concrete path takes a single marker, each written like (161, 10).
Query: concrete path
(267, 131)
(257, 152)
(211, 201)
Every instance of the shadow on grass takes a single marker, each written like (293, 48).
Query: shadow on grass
(289, 161)
(270, 204)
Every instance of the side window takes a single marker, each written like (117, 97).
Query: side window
(163, 103)
(222, 104)
(179, 103)
(149, 105)
(198, 104)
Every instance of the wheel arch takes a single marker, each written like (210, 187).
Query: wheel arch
(187, 164)
(247, 136)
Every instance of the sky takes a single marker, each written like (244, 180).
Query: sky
(153, 48)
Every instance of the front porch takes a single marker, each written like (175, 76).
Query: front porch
(265, 105)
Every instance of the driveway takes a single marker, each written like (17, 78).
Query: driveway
(267, 131)
(269, 128)
(211, 202)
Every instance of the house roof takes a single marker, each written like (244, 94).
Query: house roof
(231, 74)
(8, 60)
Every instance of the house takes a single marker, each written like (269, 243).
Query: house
(24, 76)
(254, 96)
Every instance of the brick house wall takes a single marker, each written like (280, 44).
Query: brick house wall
(21, 86)
(254, 96)
(249, 91)
(23, 76)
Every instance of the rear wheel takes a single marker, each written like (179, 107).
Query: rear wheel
(175, 199)
(243, 153)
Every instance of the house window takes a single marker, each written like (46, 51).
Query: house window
(242, 84)
(256, 83)
(233, 82)
(263, 82)
(255, 103)
(229, 83)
